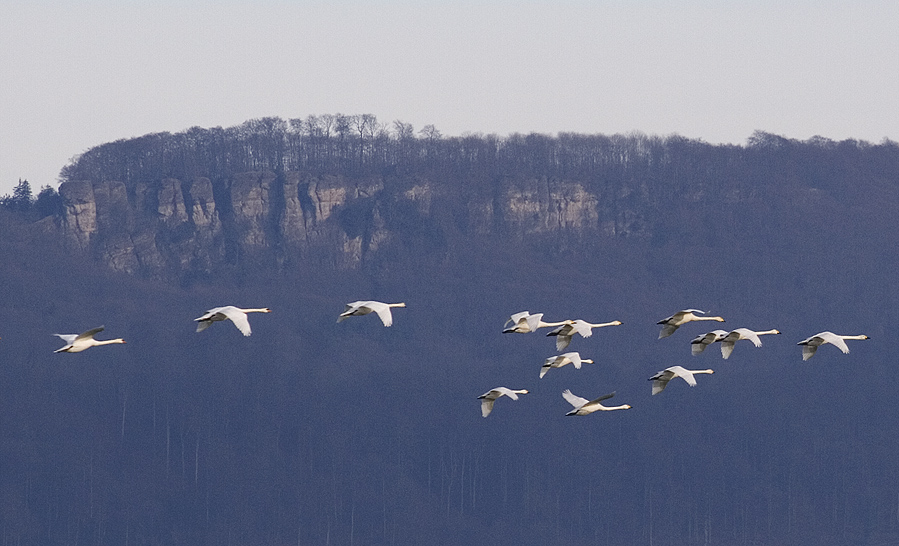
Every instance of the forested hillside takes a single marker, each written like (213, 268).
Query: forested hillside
(313, 432)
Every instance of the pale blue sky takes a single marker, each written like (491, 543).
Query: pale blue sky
(77, 74)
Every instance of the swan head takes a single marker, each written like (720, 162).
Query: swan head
(719, 319)
(265, 310)
(401, 304)
(775, 331)
(523, 391)
(626, 406)
(617, 323)
(587, 360)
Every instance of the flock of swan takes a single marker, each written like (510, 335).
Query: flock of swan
(564, 331)
(523, 323)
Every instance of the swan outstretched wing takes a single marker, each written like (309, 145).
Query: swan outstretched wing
(750, 335)
(684, 374)
(582, 328)
(562, 342)
(833, 339)
(487, 406)
(667, 330)
(514, 319)
(727, 347)
(596, 401)
(68, 338)
(94, 331)
(575, 359)
(533, 321)
(574, 399)
(808, 351)
(383, 311)
(658, 385)
(238, 317)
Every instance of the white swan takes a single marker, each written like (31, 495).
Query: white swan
(235, 314)
(489, 397)
(582, 406)
(75, 343)
(810, 345)
(672, 323)
(699, 343)
(565, 332)
(359, 308)
(563, 360)
(661, 379)
(727, 342)
(524, 323)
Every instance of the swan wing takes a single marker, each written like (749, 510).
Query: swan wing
(833, 339)
(487, 406)
(808, 351)
(505, 391)
(575, 359)
(727, 347)
(596, 401)
(574, 399)
(750, 335)
(383, 311)
(239, 318)
(516, 318)
(533, 322)
(562, 342)
(667, 330)
(89, 334)
(543, 369)
(203, 324)
(684, 374)
(68, 338)
(582, 328)
(658, 385)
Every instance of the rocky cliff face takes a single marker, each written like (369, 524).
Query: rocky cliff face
(175, 226)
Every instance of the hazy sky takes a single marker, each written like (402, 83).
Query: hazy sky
(77, 74)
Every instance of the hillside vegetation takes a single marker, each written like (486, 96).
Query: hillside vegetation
(314, 432)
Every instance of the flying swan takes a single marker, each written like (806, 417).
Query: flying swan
(565, 332)
(699, 343)
(582, 406)
(672, 323)
(235, 314)
(810, 345)
(562, 360)
(661, 379)
(488, 398)
(359, 308)
(75, 343)
(727, 342)
(524, 323)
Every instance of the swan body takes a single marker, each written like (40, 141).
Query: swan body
(661, 379)
(810, 345)
(489, 397)
(728, 341)
(699, 343)
(235, 314)
(566, 331)
(359, 308)
(524, 323)
(75, 343)
(563, 360)
(582, 406)
(675, 321)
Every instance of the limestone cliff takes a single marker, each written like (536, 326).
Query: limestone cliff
(172, 226)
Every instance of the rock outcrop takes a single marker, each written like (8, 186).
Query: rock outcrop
(172, 227)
